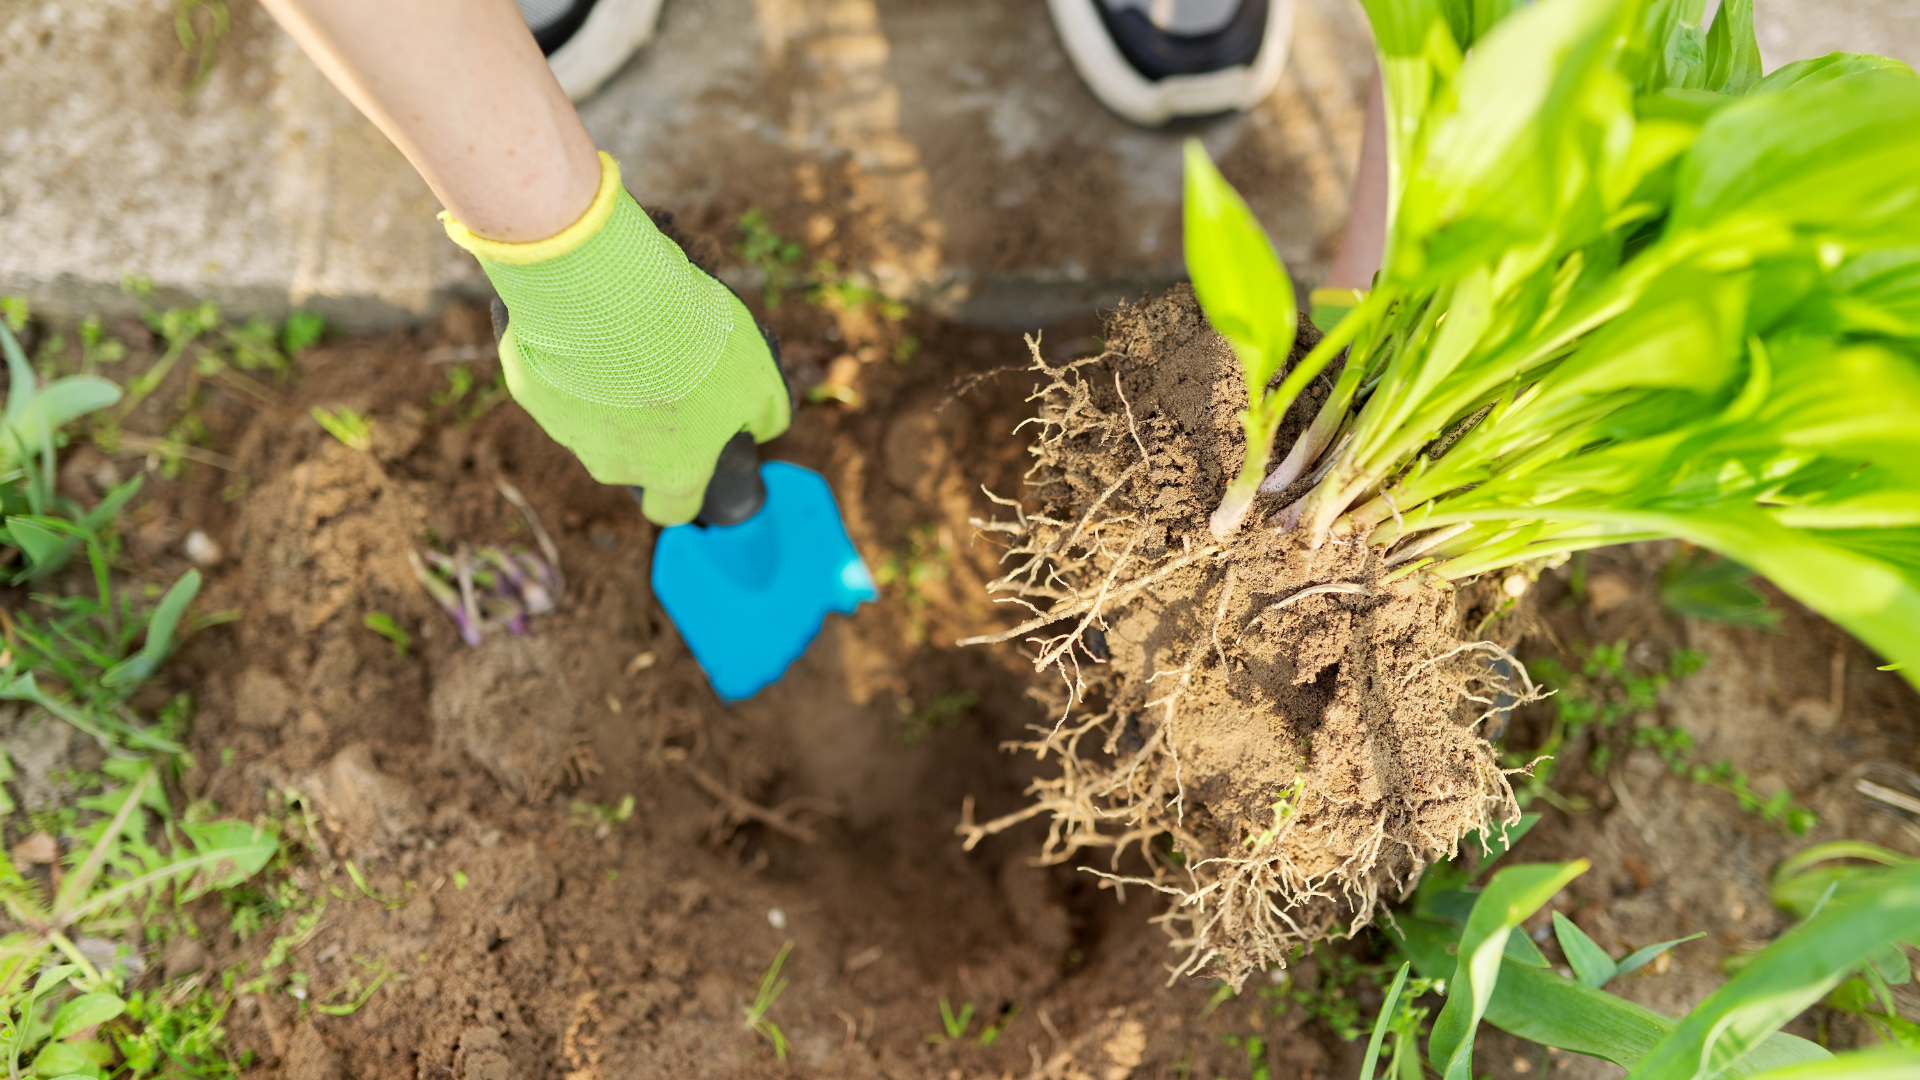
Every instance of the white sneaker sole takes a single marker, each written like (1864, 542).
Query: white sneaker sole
(613, 31)
(1124, 90)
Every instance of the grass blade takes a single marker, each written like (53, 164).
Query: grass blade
(1380, 1025)
(1885, 1063)
(1640, 958)
(1591, 964)
(1788, 976)
(1511, 897)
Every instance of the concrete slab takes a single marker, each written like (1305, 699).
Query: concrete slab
(943, 147)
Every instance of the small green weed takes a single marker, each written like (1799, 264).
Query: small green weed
(352, 429)
(945, 711)
(925, 558)
(771, 986)
(776, 257)
(600, 817)
(1593, 701)
(953, 1026)
(383, 624)
(1255, 1048)
(1698, 584)
(202, 41)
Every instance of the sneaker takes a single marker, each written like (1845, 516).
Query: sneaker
(1154, 60)
(586, 41)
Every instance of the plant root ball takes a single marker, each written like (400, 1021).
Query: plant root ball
(1269, 734)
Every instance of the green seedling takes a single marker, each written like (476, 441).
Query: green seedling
(302, 330)
(353, 430)
(953, 1026)
(1777, 809)
(1701, 585)
(776, 257)
(926, 558)
(838, 291)
(945, 711)
(600, 817)
(202, 41)
(991, 1033)
(459, 880)
(383, 624)
(1631, 290)
(1255, 1048)
(391, 903)
(14, 312)
(771, 986)
(1592, 702)
(345, 1000)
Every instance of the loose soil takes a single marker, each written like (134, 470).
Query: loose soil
(824, 811)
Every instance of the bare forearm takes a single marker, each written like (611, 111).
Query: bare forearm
(462, 90)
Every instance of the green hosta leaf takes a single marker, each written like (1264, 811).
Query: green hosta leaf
(1590, 963)
(1510, 898)
(1833, 155)
(1788, 976)
(1733, 54)
(1820, 69)
(85, 1011)
(1238, 279)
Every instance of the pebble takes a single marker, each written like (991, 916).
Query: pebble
(202, 551)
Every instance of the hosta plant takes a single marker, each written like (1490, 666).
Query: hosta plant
(1632, 289)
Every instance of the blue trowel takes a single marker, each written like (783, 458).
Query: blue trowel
(751, 580)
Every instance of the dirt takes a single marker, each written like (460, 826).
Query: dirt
(1273, 735)
(524, 929)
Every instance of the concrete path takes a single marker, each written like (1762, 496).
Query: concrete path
(942, 146)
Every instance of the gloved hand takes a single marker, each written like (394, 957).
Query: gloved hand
(627, 354)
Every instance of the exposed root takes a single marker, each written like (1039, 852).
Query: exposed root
(1274, 738)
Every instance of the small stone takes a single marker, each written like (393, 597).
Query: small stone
(1608, 591)
(777, 918)
(183, 956)
(202, 551)
(40, 849)
(1515, 585)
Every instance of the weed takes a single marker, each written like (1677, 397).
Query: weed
(1698, 584)
(459, 880)
(1255, 1048)
(926, 557)
(837, 291)
(178, 1030)
(201, 42)
(771, 986)
(945, 711)
(352, 429)
(346, 999)
(600, 817)
(777, 258)
(1593, 701)
(383, 624)
(1852, 921)
(991, 1033)
(953, 1026)
(460, 383)
(906, 349)
(391, 903)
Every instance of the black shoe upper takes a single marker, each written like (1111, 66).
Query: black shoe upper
(554, 32)
(1157, 54)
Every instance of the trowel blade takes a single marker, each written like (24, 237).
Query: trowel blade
(748, 598)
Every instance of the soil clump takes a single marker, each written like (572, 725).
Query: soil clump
(1279, 737)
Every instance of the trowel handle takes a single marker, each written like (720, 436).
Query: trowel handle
(736, 491)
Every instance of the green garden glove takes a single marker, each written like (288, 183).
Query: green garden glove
(627, 354)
